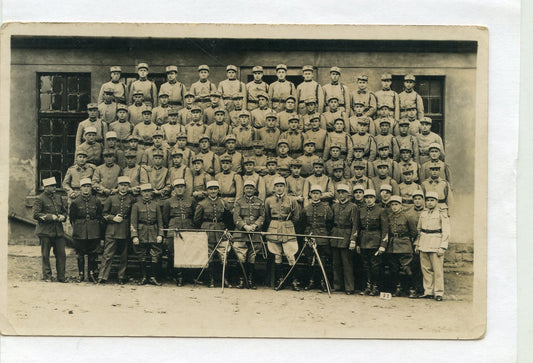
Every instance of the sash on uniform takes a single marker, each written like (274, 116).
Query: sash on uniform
(190, 249)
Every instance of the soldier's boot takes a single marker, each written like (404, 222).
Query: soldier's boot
(81, 268)
(277, 276)
(311, 283)
(226, 282)
(179, 278)
(412, 293)
(154, 267)
(251, 271)
(143, 279)
(323, 286)
(210, 278)
(92, 264)
(398, 291)
(368, 289)
(375, 290)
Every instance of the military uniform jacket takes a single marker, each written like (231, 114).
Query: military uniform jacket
(182, 172)
(377, 181)
(160, 114)
(409, 98)
(368, 140)
(402, 231)
(176, 91)
(74, 174)
(367, 98)
(146, 221)
(108, 111)
(307, 164)
(148, 89)
(260, 186)
(259, 117)
(295, 186)
(280, 90)
(201, 89)
(344, 223)
(433, 230)
(343, 140)
(119, 91)
(248, 211)
(284, 117)
(319, 137)
(327, 120)
(394, 170)
(134, 174)
(101, 130)
(311, 89)
(194, 131)
(122, 128)
(171, 132)
(366, 182)
(390, 98)
(318, 218)
(44, 207)
(253, 88)
(94, 152)
(328, 168)
(211, 214)
(145, 132)
(407, 190)
(217, 133)
(236, 161)
(135, 116)
(410, 165)
(269, 183)
(230, 185)
(372, 226)
(324, 181)
(441, 187)
(148, 155)
(120, 204)
(106, 177)
(178, 212)
(281, 208)
(85, 216)
(338, 90)
(158, 177)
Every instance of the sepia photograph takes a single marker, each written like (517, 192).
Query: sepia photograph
(260, 181)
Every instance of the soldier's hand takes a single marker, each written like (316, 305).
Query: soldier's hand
(73, 195)
(55, 217)
(135, 240)
(62, 218)
(247, 228)
(441, 252)
(159, 239)
(352, 246)
(417, 250)
(379, 251)
(358, 250)
(118, 218)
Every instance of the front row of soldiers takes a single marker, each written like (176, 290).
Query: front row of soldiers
(381, 233)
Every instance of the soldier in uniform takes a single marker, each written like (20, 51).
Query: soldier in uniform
(414, 123)
(157, 146)
(136, 108)
(318, 218)
(294, 138)
(203, 87)
(344, 225)
(308, 158)
(111, 140)
(184, 115)
(284, 160)
(181, 144)
(143, 84)
(178, 212)
(317, 134)
(105, 177)
(245, 134)
(259, 113)
(431, 243)
(335, 159)
(407, 140)
(248, 215)
(233, 115)
(231, 86)
(359, 177)
(133, 146)
(281, 213)
(172, 128)
(318, 178)
(218, 131)
(145, 130)
(250, 174)
(309, 88)
(327, 119)
(341, 138)
(92, 121)
(195, 128)
(337, 89)
(295, 183)
(310, 113)
(80, 170)
(199, 179)
(117, 212)
(133, 172)
(160, 113)
(157, 176)
(50, 212)
(385, 138)
(287, 113)
(179, 170)
(122, 127)
(270, 175)
(270, 134)
(407, 163)
(393, 169)
(408, 187)
(434, 159)
(414, 214)
(409, 97)
(260, 158)
(387, 96)
(209, 112)
(85, 215)
(174, 88)
(91, 147)
(440, 186)
(364, 96)
(383, 177)
(108, 108)
(253, 88)
(147, 235)
(230, 182)
(281, 89)
(119, 88)
(363, 139)
(213, 213)
(372, 228)
(211, 160)
(230, 142)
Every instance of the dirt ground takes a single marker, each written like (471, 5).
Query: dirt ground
(50, 308)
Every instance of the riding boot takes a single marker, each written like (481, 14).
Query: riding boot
(277, 276)
(154, 266)
(251, 270)
(368, 288)
(179, 278)
(311, 282)
(375, 290)
(210, 277)
(91, 265)
(143, 280)
(398, 291)
(81, 268)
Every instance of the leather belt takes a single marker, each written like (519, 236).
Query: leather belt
(343, 227)
(192, 144)
(442, 200)
(399, 235)
(175, 103)
(371, 230)
(245, 148)
(228, 195)
(252, 101)
(276, 100)
(280, 219)
(430, 231)
(148, 224)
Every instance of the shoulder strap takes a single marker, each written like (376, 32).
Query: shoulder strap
(343, 94)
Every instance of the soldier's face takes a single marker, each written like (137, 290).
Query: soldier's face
(318, 169)
(158, 141)
(238, 102)
(281, 73)
(405, 155)
(244, 120)
(121, 114)
(385, 195)
(418, 201)
(181, 142)
(411, 113)
(362, 84)
(395, 207)
(315, 124)
(262, 101)
(362, 128)
(310, 107)
(358, 172)
(163, 100)
(335, 152)
(108, 97)
(230, 145)
(404, 129)
(123, 187)
(384, 152)
(214, 100)
(370, 200)
(358, 153)
(231, 74)
(133, 144)
(219, 117)
(290, 104)
(335, 77)
(93, 113)
(271, 167)
(249, 190)
(295, 170)
(204, 144)
(50, 189)
(81, 159)
(284, 172)
(384, 127)
(197, 166)
(189, 100)
(337, 173)
(147, 117)
(91, 137)
(358, 195)
(143, 72)
(249, 167)
(386, 83)
(308, 75)
(131, 161)
(283, 149)
(409, 84)
(115, 76)
(86, 189)
(196, 114)
(146, 194)
(171, 76)
(212, 192)
(112, 142)
(293, 125)
(271, 122)
(339, 125)
(173, 119)
(309, 149)
(258, 151)
(408, 177)
(177, 159)
(203, 74)
(382, 170)
(434, 154)
(434, 173)
(138, 99)
(180, 189)
(425, 127)
(333, 104)
(315, 195)
(225, 165)
(258, 76)
(279, 188)
(431, 203)
(342, 195)
(109, 159)
(158, 160)
(384, 112)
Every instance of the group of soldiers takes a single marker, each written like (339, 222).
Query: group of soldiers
(316, 160)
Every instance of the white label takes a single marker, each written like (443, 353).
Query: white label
(385, 295)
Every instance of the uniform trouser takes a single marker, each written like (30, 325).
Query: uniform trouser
(432, 272)
(417, 272)
(111, 246)
(400, 264)
(278, 249)
(324, 251)
(148, 254)
(86, 247)
(343, 273)
(58, 246)
(245, 252)
(371, 265)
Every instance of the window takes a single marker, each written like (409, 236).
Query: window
(62, 104)
(431, 89)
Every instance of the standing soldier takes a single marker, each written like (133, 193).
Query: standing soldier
(387, 96)
(288, 113)
(318, 217)
(195, 129)
(337, 89)
(270, 134)
(229, 181)
(363, 139)
(209, 112)
(105, 177)
(402, 233)
(108, 108)
(414, 214)
(80, 170)
(203, 87)
(281, 89)
(426, 137)
(85, 215)
(358, 171)
(407, 162)
(270, 175)
(253, 88)
(143, 84)
(213, 213)
(317, 134)
(157, 176)
(281, 213)
(174, 88)
(408, 187)
(341, 138)
(122, 127)
(133, 146)
(309, 114)
(111, 141)
(409, 97)
(136, 108)
(440, 186)
(178, 212)
(119, 88)
(50, 212)
(407, 140)
(181, 144)
(250, 174)
(179, 170)
(145, 130)
(344, 225)
(309, 88)
(327, 119)
(199, 179)
(157, 140)
(92, 121)
(364, 96)
(431, 243)
(434, 159)
(117, 212)
(233, 116)
(383, 177)
(318, 178)
(218, 131)
(259, 113)
(160, 113)
(294, 138)
(93, 148)
(260, 157)
(231, 86)
(248, 215)
(147, 235)
(172, 128)
(245, 134)
(372, 231)
(236, 157)
(133, 172)
(211, 161)
(184, 115)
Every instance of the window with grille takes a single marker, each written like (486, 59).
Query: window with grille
(431, 89)
(62, 104)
